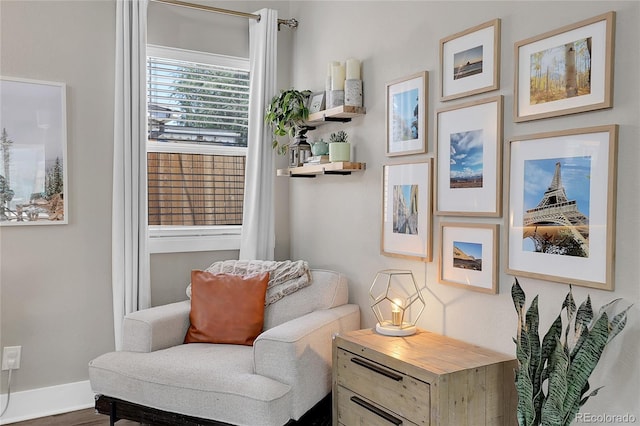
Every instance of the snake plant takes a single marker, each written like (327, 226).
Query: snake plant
(564, 359)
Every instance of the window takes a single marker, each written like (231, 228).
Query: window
(198, 121)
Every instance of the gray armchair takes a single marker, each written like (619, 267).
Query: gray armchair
(157, 379)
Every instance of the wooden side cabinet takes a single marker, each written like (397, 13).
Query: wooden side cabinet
(425, 379)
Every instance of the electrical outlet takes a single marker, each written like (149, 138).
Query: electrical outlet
(11, 357)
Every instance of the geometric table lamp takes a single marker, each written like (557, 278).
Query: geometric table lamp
(396, 302)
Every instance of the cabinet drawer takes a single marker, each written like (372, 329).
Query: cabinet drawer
(354, 410)
(393, 390)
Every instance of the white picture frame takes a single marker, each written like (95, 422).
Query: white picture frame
(469, 159)
(469, 256)
(407, 111)
(470, 61)
(33, 153)
(407, 234)
(572, 171)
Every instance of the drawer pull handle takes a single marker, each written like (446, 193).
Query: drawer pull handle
(375, 410)
(377, 369)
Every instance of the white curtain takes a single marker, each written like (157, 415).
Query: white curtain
(130, 258)
(258, 235)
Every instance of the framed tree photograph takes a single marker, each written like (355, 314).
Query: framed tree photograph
(33, 149)
(469, 159)
(406, 211)
(565, 71)
(470, 61)
(562, 198)
(469, 256)
(407, 115)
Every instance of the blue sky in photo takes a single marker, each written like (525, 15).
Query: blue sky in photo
(466, 154)
(575, 175)
(471, 249)
(404, 104)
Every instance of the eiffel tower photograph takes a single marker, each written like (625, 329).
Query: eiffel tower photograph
(556, 218)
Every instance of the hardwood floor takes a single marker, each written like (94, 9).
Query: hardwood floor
(320, 415)
(86, 417)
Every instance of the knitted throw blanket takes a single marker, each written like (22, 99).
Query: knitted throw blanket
(285, 277)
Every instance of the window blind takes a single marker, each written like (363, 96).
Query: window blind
(190, 102)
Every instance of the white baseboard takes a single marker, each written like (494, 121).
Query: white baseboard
(34, 403)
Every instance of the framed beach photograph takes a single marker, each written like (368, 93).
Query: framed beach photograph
(565, 71)
(406, 211)
(469, 159)
(407, 114)
(33, 149)
(316, 102)
(562, 198)
(469, 256)
(470, 61)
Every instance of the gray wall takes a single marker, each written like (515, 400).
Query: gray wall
(56, 280)
(335, 220)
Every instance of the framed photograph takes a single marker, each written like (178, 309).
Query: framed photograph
(407, 115)
(469, 256)
(565, 71)
(33, 149)
(469, 159)
(562, 198)
(316, 102)
(406, 211)
(470, 61)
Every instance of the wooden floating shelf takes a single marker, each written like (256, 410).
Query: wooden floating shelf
(337, 168)
(342, 113)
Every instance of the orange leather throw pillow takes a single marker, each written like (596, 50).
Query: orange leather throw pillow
(226, 308)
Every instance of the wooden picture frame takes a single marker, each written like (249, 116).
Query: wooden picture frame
(470, 61)
(562, 206)
(469, 256)
(469, 159)
(544, 87)
(406, 211)
(316, 102)
(406, 112)
(33, 151)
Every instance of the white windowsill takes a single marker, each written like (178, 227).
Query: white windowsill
(189, 239)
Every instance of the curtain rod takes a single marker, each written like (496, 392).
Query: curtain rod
(291, 23)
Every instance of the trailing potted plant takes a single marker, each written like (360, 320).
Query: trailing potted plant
(564, 359)
(339, 148)
(286, 115)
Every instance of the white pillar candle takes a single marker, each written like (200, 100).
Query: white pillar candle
(330, 67)
(337, 77)
(353, 69)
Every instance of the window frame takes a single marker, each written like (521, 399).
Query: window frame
(178, 239)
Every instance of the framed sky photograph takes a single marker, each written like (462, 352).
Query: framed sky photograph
(33, 148)
(565, 71)
(406, 211)
(470, 61)
(407, 115)
(562, 197)
(469, 159)
(469, 256)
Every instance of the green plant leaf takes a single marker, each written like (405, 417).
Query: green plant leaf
(584, 317)
(553, 407)
(617, 324)
(583, 364)
(594, 393)
(570, 305)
